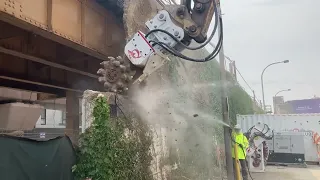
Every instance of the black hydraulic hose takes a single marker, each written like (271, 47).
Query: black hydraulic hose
(217, 21)
(208, 58)
(178, 54)
(188, 5)
(261, 133)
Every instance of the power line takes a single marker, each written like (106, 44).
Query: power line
(241, 76)
(231, 61)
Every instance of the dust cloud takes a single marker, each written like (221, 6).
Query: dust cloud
(185, 115)
(181, 103)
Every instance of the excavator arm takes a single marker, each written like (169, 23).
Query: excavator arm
(170, 31)
(196, 20)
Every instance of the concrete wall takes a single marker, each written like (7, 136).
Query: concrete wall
(49, 122)
(8, 93)
(18, 116)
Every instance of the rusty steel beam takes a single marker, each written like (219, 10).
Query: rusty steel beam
(39, 84)
(31, 87)
(80, 24)
(51, 36)
(45, 62)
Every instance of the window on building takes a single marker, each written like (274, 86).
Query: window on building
(43, 117)
(64, 117)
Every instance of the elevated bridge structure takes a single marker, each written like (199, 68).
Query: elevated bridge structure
(55, 47)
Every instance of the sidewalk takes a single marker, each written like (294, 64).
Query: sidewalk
(288, 173)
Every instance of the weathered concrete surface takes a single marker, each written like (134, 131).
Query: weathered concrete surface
(289, 173)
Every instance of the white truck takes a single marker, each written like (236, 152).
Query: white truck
(308, 124)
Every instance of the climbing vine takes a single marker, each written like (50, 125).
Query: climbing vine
(113, 148)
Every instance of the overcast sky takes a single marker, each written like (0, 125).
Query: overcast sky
(259, 32)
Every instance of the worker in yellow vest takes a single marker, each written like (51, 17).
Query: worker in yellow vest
(241, 140)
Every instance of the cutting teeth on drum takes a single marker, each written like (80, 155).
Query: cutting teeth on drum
(111, 58)
(121, 60)
(116, 74)
(123, 68)
(102, 79)
(107, 85)
(116, 63)
(125, 77)
(120, 84)
(101, 72)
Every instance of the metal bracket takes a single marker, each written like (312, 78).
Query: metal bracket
(154, 62)
(154, 58)
(163, 21)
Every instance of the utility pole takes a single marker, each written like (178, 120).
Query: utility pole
(254, 100)
(235, 70)
(225, 108)
(232, 69)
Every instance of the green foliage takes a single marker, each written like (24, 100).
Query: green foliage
(239, 100)
(239, 103)
(113, 149)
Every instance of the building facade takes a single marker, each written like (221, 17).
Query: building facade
(303, 106)
(51, 119)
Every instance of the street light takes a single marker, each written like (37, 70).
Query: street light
(275, 104)
(264, 103)
(281, 91)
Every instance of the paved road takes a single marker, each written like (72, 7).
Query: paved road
(288, 173)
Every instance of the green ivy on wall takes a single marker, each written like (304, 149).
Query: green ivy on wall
(113, 148)
(239, 103)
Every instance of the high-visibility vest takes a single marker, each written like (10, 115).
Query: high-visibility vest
(240, 139)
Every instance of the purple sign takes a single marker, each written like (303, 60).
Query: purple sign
(305, 106)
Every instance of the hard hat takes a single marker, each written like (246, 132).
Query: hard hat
(237, 126)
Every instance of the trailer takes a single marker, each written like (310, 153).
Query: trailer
(308, 124)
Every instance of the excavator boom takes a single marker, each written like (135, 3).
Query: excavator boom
(170, 31)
